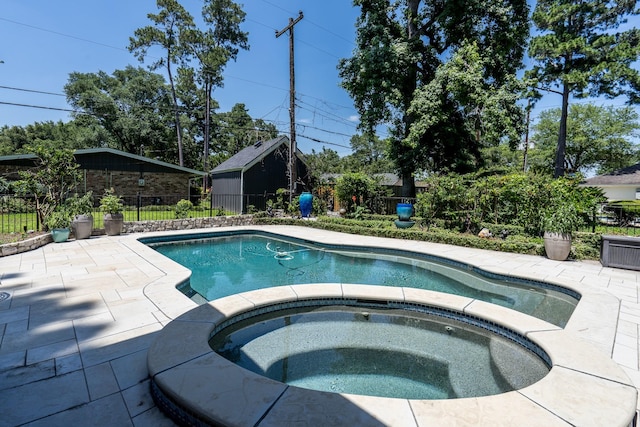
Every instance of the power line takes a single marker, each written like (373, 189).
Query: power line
(31, 90)
(63, 34)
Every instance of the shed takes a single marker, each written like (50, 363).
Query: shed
(254, 174)
(128, 174)
(623, 184)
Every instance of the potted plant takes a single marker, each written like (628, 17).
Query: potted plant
(58, 223)
(112, 205)
(559, 223)
(81, 209)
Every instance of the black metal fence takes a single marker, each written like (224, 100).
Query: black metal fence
(18, 213)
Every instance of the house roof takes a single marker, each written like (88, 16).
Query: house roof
(109, 159)
(626, 176)
(249, 156)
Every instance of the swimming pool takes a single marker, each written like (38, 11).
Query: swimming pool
(227, 263)
(584, 387)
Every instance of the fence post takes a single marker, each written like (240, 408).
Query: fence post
(138, 203)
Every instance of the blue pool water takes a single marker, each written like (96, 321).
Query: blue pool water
(390, 353)
(231, 264)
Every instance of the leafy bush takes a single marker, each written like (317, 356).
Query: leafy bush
(182, 208)
(355, 189)
(110, 203)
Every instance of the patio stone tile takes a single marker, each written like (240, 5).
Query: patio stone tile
(69, 363)
(19, 326)
(138, 398)
(14, 314)
(39, 399)
(626, 356)
(628, 328)
(131, 369)
(108, 411)
(110, 295)
(101, 380)
(112, 347)
(152, 418)
(26, 374)
(51, 293)
(67, 309)
(11, 361)
(38, 336)
(57, 349)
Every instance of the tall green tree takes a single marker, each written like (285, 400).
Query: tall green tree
(213, 48)
(400, 46)
(166, 32)
(323, 162)
(235, 130)
(74, 134)
(580, 52)
(599, 139)
(133, 105)
(369, 155)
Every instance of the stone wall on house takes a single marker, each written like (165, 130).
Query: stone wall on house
(172, 185)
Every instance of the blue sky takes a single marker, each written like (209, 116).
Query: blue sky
(43, 41)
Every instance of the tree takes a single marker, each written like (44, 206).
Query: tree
(235, 130)
(55, 175)
(369, 155)
(323, 162)
(579, 52)
(167, 32)
(598, 138)
(74, 134)
(400, 46)
(133, 105)
(214, 48)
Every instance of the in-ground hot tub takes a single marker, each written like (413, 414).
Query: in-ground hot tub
(406, 351)
(194, 384)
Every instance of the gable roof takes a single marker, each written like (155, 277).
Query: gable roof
(107, 158)
(626, 176)
(249, 156)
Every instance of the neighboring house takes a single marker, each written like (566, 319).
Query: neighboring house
(623, 184)
(254, 174)
(128, 174)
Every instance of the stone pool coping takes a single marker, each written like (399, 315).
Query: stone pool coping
(594, 320)
(583, 387)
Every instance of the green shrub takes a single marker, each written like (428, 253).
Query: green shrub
(182, 208)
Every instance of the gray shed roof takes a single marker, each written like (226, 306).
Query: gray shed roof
(627, 176)
(249, 156)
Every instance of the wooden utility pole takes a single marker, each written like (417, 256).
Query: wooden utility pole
(292, 104)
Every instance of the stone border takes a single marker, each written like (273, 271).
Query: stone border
(25, 245)
(584, 387)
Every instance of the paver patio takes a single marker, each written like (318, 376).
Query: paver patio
(80, 316)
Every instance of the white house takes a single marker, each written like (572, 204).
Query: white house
(623, 184)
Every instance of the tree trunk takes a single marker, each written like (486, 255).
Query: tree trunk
(562, 134)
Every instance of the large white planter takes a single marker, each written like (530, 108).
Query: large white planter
(113, 224)
(82, 226)
(557, 245)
